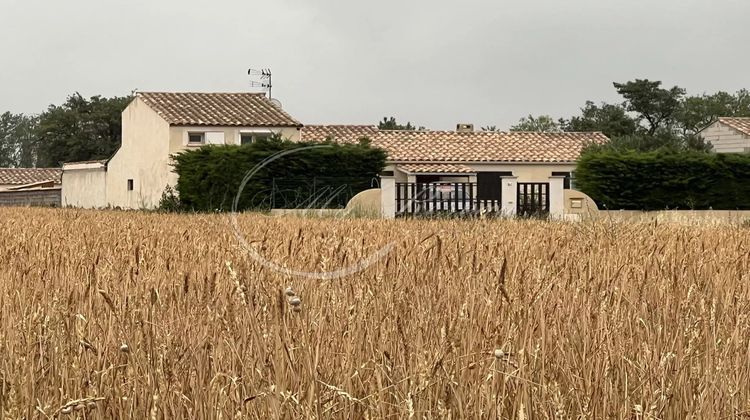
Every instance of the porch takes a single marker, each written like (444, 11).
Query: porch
(489, 194)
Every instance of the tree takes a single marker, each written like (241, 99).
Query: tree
(698, 112)
(612, 120)
(542, 123)
(655, 105)
(17, 140)
(80, 129)
(391, 124)
(662, 141)
(8, 147)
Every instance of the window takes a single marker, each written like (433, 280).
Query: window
(196, 138)
(214, 137)
(130, 185)
(250, 138)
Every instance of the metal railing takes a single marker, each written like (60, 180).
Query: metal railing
(413, 198)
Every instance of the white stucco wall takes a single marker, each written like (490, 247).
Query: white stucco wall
(148, 142)
(525, 172)
(142, 157)
(726, 139)
(178, 135)
(84, 187)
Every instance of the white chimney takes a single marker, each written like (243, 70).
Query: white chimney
(465, 128)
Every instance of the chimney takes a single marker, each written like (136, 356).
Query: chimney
(465, 128)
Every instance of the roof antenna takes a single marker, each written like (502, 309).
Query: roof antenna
(263, 79)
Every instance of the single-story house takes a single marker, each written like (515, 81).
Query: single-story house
(464, 170)
(728, 135)
(30, 186)
(157, 125)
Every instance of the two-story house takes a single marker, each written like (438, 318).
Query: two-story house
(158, 125)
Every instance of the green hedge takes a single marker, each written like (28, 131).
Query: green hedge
(210, 177)
(665, 180)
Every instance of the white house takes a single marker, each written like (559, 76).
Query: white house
(157, 125)
(465, 170)
(728, 135)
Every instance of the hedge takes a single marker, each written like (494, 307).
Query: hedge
(210, 177)
(665, 180)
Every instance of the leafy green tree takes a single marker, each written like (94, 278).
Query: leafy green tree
(542, 124)
(27, 141)
(8, 146)
(742, 103)
(664, 141)
(612, 120)
(17, 140)
(653, 104)
(391, 124)
(698, 112)
(80, 129)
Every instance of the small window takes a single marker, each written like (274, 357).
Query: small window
(196, 138)
(250, 138)
(130, 185)
(246, 138)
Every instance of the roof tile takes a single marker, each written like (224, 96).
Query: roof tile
(23, 176)
(338, 133)
(218, 109)
(453, 146)
(740, 124)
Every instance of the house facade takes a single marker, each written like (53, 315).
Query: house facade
(468, 171)
(427, 171)
(158, 125)
(728, 135)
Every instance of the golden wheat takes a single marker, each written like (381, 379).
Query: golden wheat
(138, 315)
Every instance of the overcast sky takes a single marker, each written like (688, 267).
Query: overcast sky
(435, 63)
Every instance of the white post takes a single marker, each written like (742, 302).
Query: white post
(388, 197)
(509, 195)
(556, 197)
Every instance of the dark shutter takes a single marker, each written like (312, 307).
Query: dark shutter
(489, 186)
(566, 182)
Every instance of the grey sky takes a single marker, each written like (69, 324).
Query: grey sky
(435, 63)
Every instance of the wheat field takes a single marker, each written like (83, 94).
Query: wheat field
(145, 315)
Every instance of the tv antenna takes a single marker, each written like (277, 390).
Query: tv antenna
(263, 79)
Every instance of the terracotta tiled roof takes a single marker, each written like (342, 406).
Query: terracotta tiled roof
(338, 133)
(218, 109)
(740, 124)
(23, 176)
(436, 168)
(451, 146)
